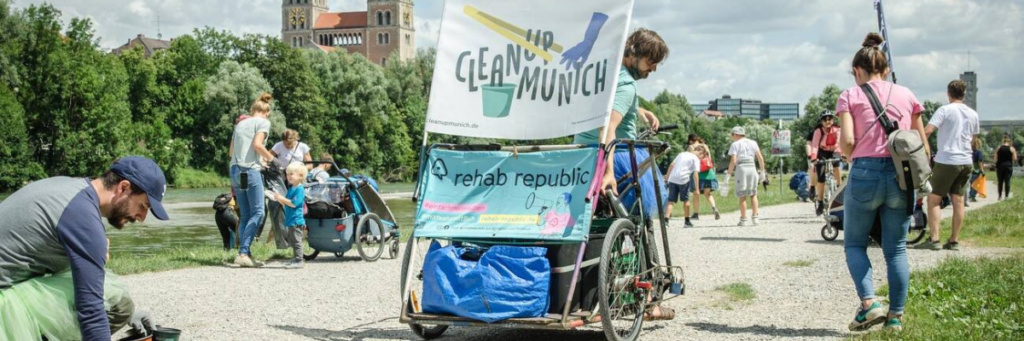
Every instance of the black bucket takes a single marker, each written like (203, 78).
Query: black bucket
(166, 334)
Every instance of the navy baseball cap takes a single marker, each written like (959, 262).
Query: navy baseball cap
(144, 173)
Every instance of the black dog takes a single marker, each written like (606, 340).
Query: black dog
(227, 219)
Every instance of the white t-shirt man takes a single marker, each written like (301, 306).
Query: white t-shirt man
(957, 124)
(683, 167)
(286, 156)
(744, 149)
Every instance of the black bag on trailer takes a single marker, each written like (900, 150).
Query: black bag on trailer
(323, 210)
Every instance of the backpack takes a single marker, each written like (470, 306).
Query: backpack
(908, 152)
(799, 179)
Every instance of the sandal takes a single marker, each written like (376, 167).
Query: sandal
(664, 314)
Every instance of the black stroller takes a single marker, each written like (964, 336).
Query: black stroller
(834, 222)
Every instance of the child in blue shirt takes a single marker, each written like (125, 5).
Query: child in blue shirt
(293, 203)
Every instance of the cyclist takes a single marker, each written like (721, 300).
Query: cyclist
(825, 146)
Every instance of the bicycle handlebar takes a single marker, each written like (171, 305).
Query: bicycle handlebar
(668, 127)
(834, 160)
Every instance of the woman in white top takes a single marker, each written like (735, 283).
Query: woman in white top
(285, 152)
(743, 152)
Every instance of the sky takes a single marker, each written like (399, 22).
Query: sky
(772, 50)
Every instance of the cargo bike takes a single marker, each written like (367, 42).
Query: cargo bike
(347, 212)
(613, 277)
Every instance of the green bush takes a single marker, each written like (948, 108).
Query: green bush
(193, 178)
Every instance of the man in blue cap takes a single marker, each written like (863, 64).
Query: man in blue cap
(55, 226)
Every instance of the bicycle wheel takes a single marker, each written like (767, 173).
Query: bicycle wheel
(425, 332)
(622, 302)
(369, 237)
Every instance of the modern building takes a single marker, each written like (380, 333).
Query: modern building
(752, 108)
(971, 97)
(384, 28)
(149, 45)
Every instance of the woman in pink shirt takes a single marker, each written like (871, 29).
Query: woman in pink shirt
(872, 191)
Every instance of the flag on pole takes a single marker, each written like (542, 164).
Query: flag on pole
(883, 29)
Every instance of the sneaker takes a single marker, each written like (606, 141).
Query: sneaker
(819, 208)
(757, 222)
(743, 222)
(952, 246)
(929, 245)
(245, 262)
(718, 216)
(295, 264)
(894, 324)
(687, 223)
(975, 199)
(867, 318)
(694, 217)
(256, 263)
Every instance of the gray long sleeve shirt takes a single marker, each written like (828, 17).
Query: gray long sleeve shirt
(53, 225)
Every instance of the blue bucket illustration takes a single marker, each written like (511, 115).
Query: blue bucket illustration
(497, 99)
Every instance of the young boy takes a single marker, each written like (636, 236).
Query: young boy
(292, 202)
(682, 178)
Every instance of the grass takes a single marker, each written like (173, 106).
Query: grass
(180, 258)
(773, 196)
(964, 299)
(194, 178)
(800, 263)
(737, 292)
(970, 299)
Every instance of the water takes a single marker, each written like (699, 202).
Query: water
(192, 221)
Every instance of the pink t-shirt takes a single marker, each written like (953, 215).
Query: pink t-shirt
(869, 138)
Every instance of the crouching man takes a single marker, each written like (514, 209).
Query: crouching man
(53, 249)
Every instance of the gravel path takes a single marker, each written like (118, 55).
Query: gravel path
(347, 299)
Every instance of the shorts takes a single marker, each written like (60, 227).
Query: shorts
(681, 192)
(819, 168)
(950, 180)
(709, 185)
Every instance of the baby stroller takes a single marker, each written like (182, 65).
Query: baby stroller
(799, 184)
(834, 222)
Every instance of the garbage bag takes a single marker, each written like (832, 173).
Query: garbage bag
(979, 186)
(504, 282)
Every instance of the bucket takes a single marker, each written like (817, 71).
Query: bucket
(137, 338)
(497, 99)
(166, 334)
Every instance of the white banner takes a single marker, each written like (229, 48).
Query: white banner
(526, 69)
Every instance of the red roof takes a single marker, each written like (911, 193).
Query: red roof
(341, 20)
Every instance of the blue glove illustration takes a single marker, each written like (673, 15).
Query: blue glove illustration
(578, 55)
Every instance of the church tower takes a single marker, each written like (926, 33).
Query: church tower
(298, 19)
(390, 28)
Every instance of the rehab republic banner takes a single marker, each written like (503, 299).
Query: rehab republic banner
(527, 69)
(489, 195)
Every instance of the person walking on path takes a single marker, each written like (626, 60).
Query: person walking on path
(743, 153)
(708, 179)
(249, 156)
(825, 146)
(1005, 156)
(54, 251)
(293, 202)
(979, 168)
(285, 152)
(682, 178)
(872, 189)
(694, 140)
(957, 125)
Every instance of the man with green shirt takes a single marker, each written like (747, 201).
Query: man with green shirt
(645, 50)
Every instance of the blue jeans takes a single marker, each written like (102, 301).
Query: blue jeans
(249, 197)
(872, 192)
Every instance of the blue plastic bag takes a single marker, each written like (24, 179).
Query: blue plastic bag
(507, 282)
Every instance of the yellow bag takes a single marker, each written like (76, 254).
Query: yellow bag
(979, 186)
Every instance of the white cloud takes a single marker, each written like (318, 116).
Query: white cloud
(773, 50)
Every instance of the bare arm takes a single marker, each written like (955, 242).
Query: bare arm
(846, 141)
(609, 135)
(918, 124)
(929, 130)
(257, 145)
(760, 158)
(669, 172)
(283, 200)
(732, 164)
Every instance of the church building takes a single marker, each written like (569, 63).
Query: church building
(385, 27)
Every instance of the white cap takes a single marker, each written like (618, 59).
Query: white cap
(737, 130)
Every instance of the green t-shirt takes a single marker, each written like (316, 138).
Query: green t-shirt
(626, 103)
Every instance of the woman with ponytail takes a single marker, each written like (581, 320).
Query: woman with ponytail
(872, 190)
(249, 156)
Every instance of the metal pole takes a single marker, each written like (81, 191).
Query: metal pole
(572, 285)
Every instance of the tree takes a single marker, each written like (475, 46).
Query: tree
(229, 94)
(18, 166)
